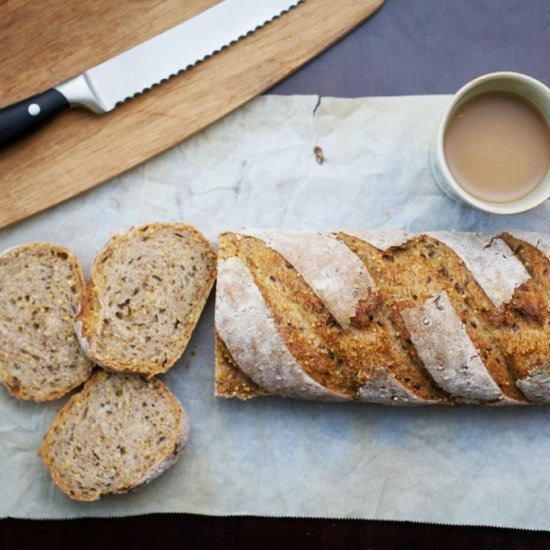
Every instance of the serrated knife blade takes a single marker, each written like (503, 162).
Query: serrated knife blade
(105, 86)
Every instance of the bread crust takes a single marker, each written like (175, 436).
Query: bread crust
(447, 351)
(315, 253)
(266, 360)
(459, 317)
(87, 322)
(384, 389)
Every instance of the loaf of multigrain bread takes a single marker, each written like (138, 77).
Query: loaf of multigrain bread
(384, 317)
(40, 289)
(120, 431)
(147, 290)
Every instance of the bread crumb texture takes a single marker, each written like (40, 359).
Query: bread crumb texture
(120, 431)
(40, 292)
(146, 293)
(436, 318)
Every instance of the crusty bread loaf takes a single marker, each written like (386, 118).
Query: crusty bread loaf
(384, 317)
(147, 289)
(120, 431)
(40, 291)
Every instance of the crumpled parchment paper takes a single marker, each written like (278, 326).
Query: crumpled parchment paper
(289, 162)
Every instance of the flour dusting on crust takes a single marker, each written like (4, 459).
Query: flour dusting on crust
(334, 273)
(491, 262)
(383, 388)
(246, 326)
(448, 353)
(383, 239)
(536, 386)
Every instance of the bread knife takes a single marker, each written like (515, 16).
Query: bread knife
(105, 86)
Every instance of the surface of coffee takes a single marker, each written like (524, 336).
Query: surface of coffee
(497, 147)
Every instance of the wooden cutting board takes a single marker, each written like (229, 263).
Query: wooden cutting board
(43, 44)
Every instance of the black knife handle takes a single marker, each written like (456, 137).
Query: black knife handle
(25, 116)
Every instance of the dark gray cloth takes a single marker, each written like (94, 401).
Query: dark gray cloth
(430, 46)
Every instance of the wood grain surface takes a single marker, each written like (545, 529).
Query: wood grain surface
(81, 150)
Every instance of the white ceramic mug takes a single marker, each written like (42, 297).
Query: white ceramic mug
(519, 84)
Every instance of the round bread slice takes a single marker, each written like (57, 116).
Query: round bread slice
(120, 431)
(40, 292)
(146, 293)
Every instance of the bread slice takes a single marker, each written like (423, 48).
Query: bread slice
(120, 431)
(147, 290)
(40, 291)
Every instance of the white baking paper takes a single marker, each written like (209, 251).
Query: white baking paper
(257, 169)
